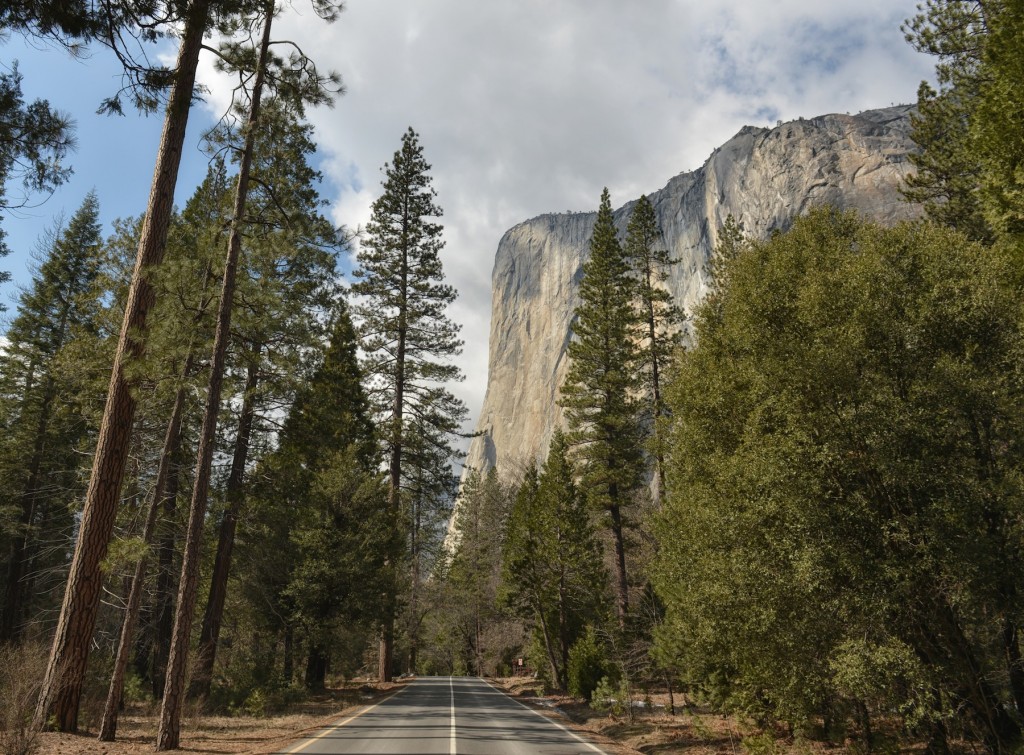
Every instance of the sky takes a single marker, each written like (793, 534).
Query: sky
(522, 108)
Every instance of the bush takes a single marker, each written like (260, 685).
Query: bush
(615, 700)
(21, 674)
(587, 665)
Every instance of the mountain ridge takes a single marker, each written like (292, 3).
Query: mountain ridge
(763, 177)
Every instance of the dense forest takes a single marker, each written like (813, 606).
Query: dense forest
(231, 478)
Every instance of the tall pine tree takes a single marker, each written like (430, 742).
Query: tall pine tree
(599, 392)
(659, 320)
(406, 333)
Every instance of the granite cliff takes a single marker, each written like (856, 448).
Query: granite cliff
(763, 177)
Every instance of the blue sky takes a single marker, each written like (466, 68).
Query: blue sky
(522, 108)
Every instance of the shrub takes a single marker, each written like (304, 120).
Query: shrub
(21, 674)
(587, 665)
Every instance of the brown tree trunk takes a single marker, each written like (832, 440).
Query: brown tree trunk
(62, 683)
(316, 668)
(387, 635)
(108, 728)
(288, 668)
(164, 599)
(210, 633)
(169, 732)
(621, 582)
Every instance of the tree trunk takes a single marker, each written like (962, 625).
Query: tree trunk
(659, 454)
(621, 583)
(214, 614)
(62, 683)
(164, 601)
(288, 668)
(169, 732)
(108, 728)
(1014, 665)
(316, 668)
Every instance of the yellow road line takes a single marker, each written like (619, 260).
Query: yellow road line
(310, 740)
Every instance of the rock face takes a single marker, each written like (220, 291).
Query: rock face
(762, 177)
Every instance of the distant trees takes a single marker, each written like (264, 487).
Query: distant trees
(43, 429)
(406, 334)
(553, 572)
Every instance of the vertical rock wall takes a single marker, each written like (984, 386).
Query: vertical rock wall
(762, 177)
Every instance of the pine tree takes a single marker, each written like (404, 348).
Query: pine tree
(34, 139)
(286, 283)
(39, 459)
(600, 388)
(296, 79)
(659, 333)
(406, 334)
(320, 508)
(65, 673)
(948, 163)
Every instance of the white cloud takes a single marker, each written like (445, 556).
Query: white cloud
(534, 106)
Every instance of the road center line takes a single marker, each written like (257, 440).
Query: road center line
(451, 745)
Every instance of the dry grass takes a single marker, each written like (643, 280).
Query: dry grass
(691, 731)
(219, 734)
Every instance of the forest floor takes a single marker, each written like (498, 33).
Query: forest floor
(690, 731)
(218, 734)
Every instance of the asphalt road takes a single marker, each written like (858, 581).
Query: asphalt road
(446, 716)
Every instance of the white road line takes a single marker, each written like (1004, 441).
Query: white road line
(451, 745)
(300, 746)
(567, 730)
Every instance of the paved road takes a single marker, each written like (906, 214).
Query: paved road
(446, 716)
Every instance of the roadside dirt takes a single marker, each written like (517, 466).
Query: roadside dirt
(220, 734)
(691, 731)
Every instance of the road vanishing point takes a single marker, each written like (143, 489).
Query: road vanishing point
(446, 716)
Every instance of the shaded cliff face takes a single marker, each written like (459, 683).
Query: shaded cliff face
(762, 177)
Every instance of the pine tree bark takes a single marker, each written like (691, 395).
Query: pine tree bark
(214, 614)
(164, 599)
(621, 581)
(387, 637)
(62, 683)
(169, 732)
(108, 727)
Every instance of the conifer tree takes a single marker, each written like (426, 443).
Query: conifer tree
(65, 673)
(600, 388)
(659, 320)
(42, 429)
(949, 165)
(406, 334)
(320, 508)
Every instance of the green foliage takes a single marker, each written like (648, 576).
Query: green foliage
(44, 409)
(658, 333)
(599, 393)
(609, 697)
(588, 665)
(997, 125)
(552, 572)
(969, 167)
(34, 140)
(845, 496)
